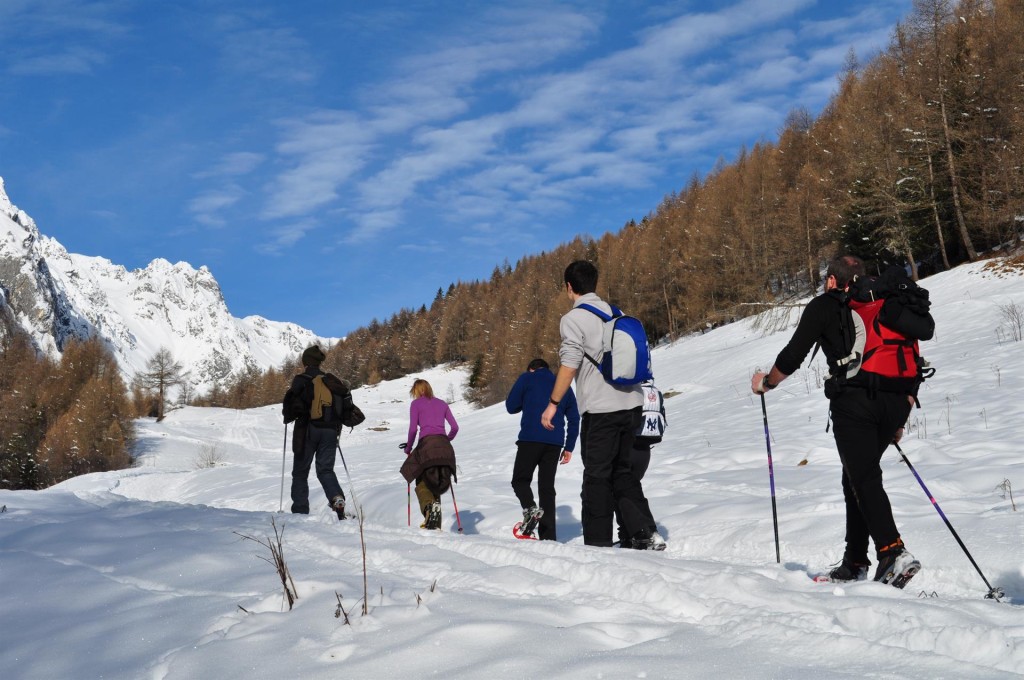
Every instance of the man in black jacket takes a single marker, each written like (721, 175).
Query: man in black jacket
(312, 439)
(865, 421)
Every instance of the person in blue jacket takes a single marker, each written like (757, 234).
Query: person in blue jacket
(539, 448)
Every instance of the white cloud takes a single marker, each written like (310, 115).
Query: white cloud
(323, 151)
(32, 20)
(271, 53)
(326, 151)
(429, 246)
(234, 164)
(446, 133)
(58, 36)
(371, 224)
(74, 60)
(284, 237)
(207, 206)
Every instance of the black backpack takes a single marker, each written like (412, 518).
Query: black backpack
(906, 307)
(331, 404)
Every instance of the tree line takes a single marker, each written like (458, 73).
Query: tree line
(60, 419)
(72, 416)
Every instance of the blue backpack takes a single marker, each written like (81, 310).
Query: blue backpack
(626, 358)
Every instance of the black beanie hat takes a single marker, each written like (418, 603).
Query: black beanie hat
(313, 356)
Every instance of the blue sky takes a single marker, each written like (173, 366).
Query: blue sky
(332, 162)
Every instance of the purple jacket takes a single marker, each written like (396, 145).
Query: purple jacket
(429, 415)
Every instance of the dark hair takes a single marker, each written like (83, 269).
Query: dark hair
(582, 276)
(845, 268)
(313, 356)
(537, 363)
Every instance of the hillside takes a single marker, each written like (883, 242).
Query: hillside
(142, 572)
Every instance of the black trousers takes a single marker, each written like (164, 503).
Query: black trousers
(639, 461)
(321, 445)
(608, 480)
(532, 456)
(864, 426)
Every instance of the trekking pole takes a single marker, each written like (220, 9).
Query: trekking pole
(284, 448)
(408, 497)
(771, 478)
(351, 486)
(993, 593)
(456, 505)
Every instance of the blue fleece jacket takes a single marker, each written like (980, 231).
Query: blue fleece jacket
(530, 396)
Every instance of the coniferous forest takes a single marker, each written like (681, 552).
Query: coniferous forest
(917, 159)
(60, 419)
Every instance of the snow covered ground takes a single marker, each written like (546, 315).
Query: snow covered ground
(143, 574)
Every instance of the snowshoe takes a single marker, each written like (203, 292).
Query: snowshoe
(433, 517)
(844, 572)
(531, 517)
(338, 505)
(897, 568)
(517, 531)
(648, 540)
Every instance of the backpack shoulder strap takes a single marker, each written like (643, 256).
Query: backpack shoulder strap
(616, 312)
(601, 315)
(843, 299)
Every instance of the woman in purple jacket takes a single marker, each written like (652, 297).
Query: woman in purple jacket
(432, 462)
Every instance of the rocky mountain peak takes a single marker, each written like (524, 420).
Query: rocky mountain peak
(54, 295)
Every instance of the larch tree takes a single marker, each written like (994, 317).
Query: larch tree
(163, 373)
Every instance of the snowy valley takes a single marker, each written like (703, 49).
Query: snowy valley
(143, 573)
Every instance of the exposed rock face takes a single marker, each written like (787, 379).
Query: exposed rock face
(54, 295)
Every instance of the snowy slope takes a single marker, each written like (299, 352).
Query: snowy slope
(142, 573)
(56, 295)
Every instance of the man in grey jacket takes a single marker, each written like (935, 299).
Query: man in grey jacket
(611, 415)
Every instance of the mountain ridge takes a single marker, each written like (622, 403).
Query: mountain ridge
(56, 296)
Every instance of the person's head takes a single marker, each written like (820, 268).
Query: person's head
(313, 356)
(581, 276)
(421, 388)
(537, 364)
(842, 271)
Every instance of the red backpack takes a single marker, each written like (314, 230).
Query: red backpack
(883, 319)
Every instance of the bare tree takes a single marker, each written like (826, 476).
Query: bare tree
(1013, 316)
(164, 372)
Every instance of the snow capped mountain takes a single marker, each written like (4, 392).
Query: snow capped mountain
(55, 296)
